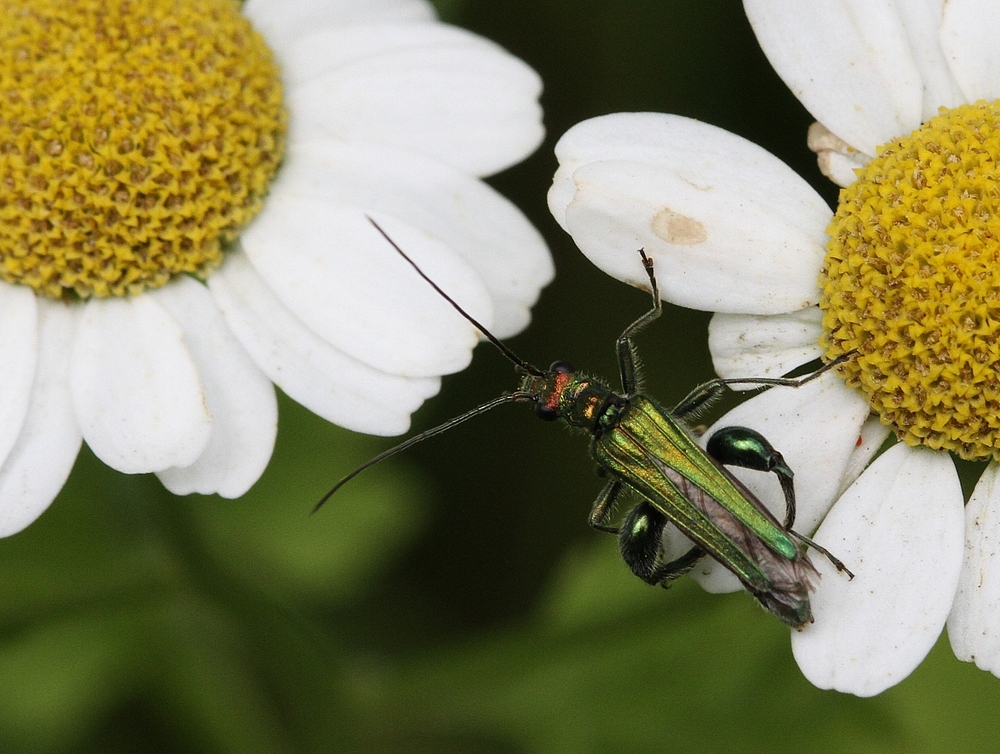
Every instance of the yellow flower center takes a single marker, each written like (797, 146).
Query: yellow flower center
(136, 138)
(912, 282)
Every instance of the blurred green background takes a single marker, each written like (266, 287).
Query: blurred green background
(453, 599)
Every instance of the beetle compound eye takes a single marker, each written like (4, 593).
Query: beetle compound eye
(561, 367)
(545, 412)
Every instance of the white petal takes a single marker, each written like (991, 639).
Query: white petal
(238, 395)
(764, 346)
(973, 627)
(837, 159)
(848, 61)
(47, 446)
(282, 21)
(815, 427)
(899, 529)
(470, 104)
(329, 266)
(969, 34)
(464, 213)
(312, 372)
(18, 350)
(135, 387)
(698, 153)
(715, 249)
(922, 23)
(870, 440)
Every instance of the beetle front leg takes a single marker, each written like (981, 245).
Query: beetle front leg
(749, 449)
(626, 350)
(640, 539)
(600, 513)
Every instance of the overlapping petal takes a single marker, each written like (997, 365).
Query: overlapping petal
(18, 353)
(136, 390)
(238, 396)
(899, 528)
(311, 371)
(472, 219)
(281, 23)
(764, 346)
(848, 61)
(969, 30)
(973, 627)
(37, 466)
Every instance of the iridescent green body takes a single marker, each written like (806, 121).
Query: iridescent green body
(643, 447)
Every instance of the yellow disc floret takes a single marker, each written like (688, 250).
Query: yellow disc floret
(912, 282)
(136, 139)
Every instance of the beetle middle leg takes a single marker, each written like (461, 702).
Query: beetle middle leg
(600, 513)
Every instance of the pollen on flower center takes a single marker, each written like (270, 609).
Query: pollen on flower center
(912, 282)
(136, 138)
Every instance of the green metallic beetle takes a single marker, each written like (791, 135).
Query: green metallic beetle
(644, 448)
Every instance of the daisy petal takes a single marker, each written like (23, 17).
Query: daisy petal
(324, 380)
(923, 25)
(815, 427)
(972, 627)
(472, 219)
(282, 21)
(41, 459)
(848, 61)
(715, 249)
(135, 387)
(969, 32)
(698, 153)
(238, 395)
(470, 104)
(837, 159)
(313, 253)
(764, 346)
(870, 440)
(18, 349)
(899, 528)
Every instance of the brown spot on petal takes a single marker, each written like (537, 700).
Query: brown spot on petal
(679, 229)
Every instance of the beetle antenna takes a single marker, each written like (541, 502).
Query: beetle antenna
(518, 397)
(511, 356)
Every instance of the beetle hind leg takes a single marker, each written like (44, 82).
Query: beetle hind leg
(749, 449)
(640, 539)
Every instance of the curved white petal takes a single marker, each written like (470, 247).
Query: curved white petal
(815, 427)
(464, 213)
(848, 61)
(135, 387)
(332, 268)
(969, 34)
(973, 626)
(715, 249)
(282, 21)
(698, 153)
(899, 528)
(469, 104)
(40, 461)
(18, 352)
(238, 395)
(922, 22)
(764, 346)
(311, 371)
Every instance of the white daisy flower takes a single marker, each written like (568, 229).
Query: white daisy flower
(904, 272)
(184, 187)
